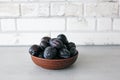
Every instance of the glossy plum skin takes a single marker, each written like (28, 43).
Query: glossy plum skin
(46, 39)
(70, 45)
(44, 44)
(50, 53)
(64, 53)
(56, 43)
(63, 38)
(73, 51)
(34, 50)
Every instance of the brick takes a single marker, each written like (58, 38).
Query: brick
(91, 38)
(82, 24)
(101, 9)
(31, 9)
(58, 9)
(104, 24)
(95, 0)
(35, 9)
(66, 9)
(41, 24)
(4, 0)
(7, 24)
(31, 38)
(44, 9)
(19, 0)
(7, 39)
(116, 24)
(73, 9)
(47, 0)
(9, 10)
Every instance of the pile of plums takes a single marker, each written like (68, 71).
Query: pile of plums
(54, 48)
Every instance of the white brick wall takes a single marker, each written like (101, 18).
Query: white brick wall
(85, 22)
(104, 24)
(42, 24)
(116, 24)
(9, 10)
(58, 9)
(35, 9)
(66, 9)
(8, 25)
(4, 0)
(95, 0)
(101, 9)
(80, 24)
(74, 9)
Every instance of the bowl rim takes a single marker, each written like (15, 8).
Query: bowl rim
(54, 59)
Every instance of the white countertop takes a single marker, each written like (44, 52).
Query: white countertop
(93, 63)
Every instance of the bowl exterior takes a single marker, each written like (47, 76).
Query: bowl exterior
(54, 64)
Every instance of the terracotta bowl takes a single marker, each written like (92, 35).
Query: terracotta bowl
(54, 63)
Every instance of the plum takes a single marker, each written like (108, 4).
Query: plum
(63, 38)
(50, 53)
(44, 44)
(56, 43)
(64, 53)
(46, 39)
(70, 45)
(73, 51)
(34, 50)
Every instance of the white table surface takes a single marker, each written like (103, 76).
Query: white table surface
(93, 63)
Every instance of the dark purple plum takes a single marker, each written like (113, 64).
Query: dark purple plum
(73, 51)
(64, 53)
(56, 43)
(44, 44)
(50, 53)
(70, 45)
(46, 39)
(34, 50)
(63, 38)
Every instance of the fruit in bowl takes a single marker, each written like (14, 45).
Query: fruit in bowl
(54, 53)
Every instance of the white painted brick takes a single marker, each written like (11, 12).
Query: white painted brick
(73, 9)
(91, 38)
(19, 0)
(58, 8)
(7, 39)
(4, 0)
(41, 24)
(80, 24)
(101, 9)
(8, 24)
(31, 38)
(11, 10)
(106, 0)
(44, 9)
(119, 7)
(47, 0)
(94, 0)
(116, 24)
(66, 9)
(30, 9)
(104, 24)
(35, 9)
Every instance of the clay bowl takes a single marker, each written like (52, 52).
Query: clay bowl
(54, 63)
